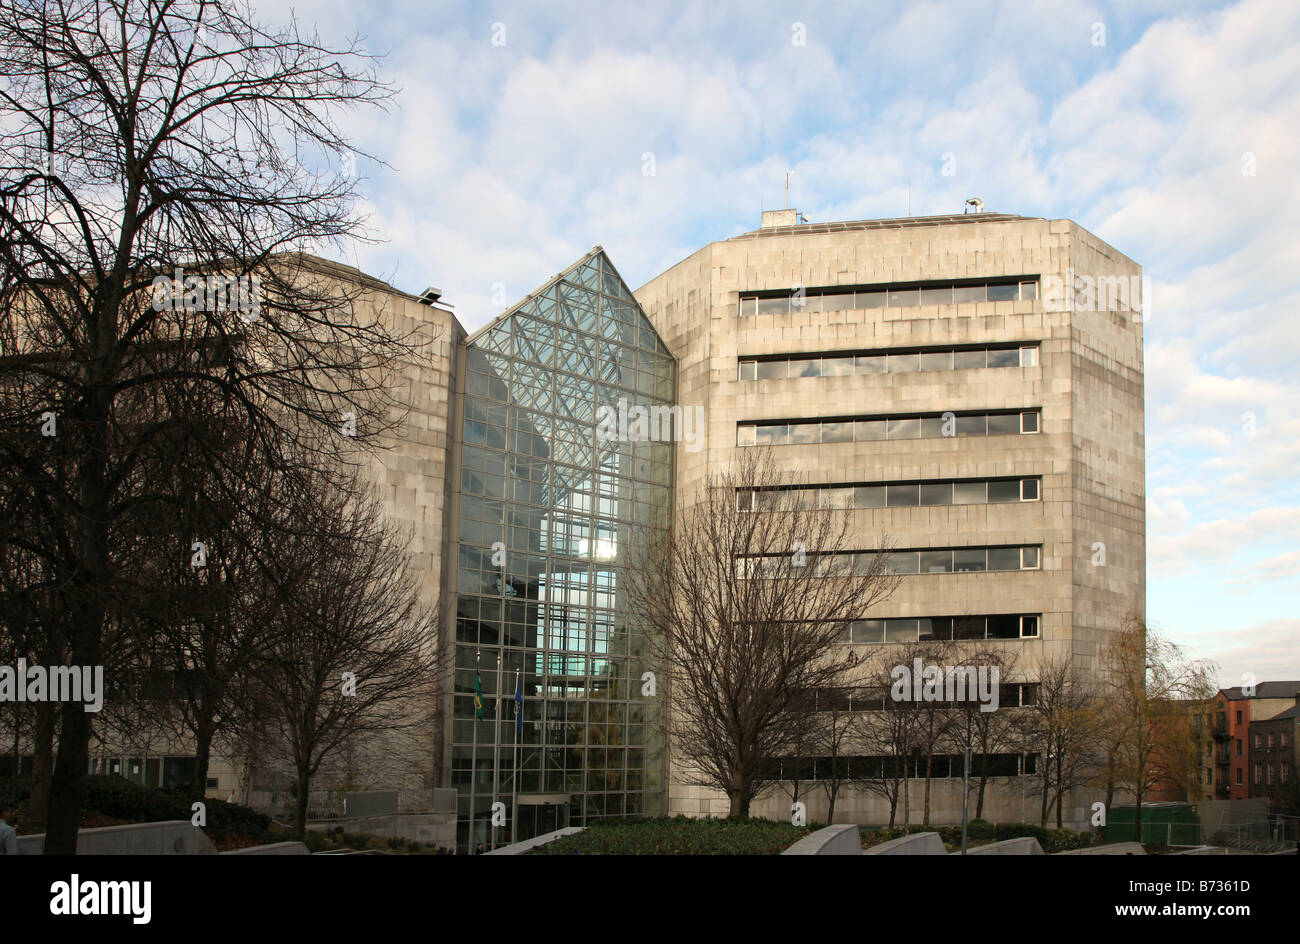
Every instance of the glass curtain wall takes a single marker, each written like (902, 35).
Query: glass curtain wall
(547, 512)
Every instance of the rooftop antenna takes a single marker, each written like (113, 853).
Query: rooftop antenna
(976, 203)
(787, 188)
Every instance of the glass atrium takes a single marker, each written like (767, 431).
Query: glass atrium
(547, 513)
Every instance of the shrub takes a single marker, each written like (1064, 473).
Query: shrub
(679, 835)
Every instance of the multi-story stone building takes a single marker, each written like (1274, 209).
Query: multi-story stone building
(970, 386)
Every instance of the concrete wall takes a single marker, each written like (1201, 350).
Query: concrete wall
(171, 837)
(1088, 385)
(519, 848)
(1114, 848)
(915, 844)
(1024, 845)
(831, 840)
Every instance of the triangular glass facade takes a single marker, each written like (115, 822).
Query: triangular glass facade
(548, 508)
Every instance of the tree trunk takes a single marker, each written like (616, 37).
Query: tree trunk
(1042, 819)
(907, 803)
(203, 756)
(1060, 791)
(68, 782)
(893, 809)
(738, 806)
(300, 804)
(979, 798)
(929, 770)
(38, 804)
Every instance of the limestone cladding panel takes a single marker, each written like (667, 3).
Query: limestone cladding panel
(1088, 385)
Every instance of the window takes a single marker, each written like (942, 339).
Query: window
(936, 562)
(1238, 747)
(1259, 774)
(1239, 717)
(1029, 489)
(903, 363)
(745, 435)
(1004, 358)
(941, 360)
(970, 559)
(1238, 776)
(772, 370)
(1002, 424)
(1004, 558)
(904, 428)
(1029, 558)
(901, 630)
(837, 298)
(1029, 627)
(1258, 740)
(936, 493)
(903, 495)
(869, 496)
(748, 370)
(968, 360)
(1004, 627)
(869, 364)
(837, 432)
(869, 430)
(1029, 356)
(904, 562)
(1004, 491)
(970, 493)
(1029, 422)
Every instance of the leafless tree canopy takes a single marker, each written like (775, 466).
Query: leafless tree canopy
(746, 608)
(150, 153)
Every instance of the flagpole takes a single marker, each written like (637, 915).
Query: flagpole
(514, 795)
(473, 760)
(496, 748)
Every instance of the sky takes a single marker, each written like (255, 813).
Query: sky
(524, 134)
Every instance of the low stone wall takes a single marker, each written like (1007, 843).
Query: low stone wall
(1113, 848)
(843, 839)
(437, 828)
(519, 848)
(171, 837)
(273, 848)
(915, 844)
(1021, 845)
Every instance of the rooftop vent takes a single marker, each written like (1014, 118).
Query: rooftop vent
(772, 218)
(430, 295)
(974, 205)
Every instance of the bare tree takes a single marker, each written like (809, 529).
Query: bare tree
(746, 601)
(987, 734)
(148, 140)
(885, 732)
(1144, 677)
(1062, 729)
(355, 656)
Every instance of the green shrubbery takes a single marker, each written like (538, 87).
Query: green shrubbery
(679, 835)
(119, 798)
